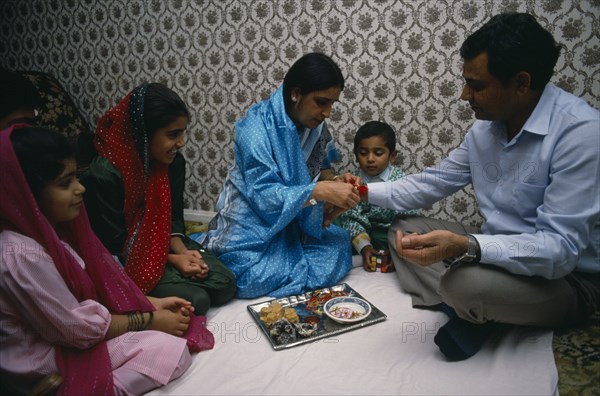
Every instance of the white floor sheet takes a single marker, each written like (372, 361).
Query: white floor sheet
(397, 356)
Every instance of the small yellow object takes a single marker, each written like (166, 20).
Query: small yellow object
(274, 311)
(373, 263)
(291, 315)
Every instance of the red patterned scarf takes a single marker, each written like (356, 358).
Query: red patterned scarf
(122, 139)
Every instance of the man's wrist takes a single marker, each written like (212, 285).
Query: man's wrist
(471, 253)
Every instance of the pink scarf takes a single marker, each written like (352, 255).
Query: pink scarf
(84, 371)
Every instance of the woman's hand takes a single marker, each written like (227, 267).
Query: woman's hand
(171, 322)
(193, 253)
(350, 179)
(171, 303)
(342, 195)
(190, 264)
(172, 316)
(330, 213)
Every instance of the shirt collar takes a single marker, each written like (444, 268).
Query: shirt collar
(539, 121)
(382, 177)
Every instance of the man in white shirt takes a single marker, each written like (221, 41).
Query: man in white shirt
(533, 158)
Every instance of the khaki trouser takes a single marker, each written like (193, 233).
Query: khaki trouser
(481, 292)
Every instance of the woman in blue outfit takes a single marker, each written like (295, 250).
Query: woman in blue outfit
(273, 223)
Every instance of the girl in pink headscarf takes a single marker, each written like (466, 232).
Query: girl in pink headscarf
(64, 306)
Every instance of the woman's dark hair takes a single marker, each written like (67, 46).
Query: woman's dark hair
(312, 72)
(376, 128)
(162, 106)
(16, 92)
(41, 153)
(514, 42)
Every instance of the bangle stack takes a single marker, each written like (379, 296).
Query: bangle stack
(136, 321)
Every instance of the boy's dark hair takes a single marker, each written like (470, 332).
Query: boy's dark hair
(312, 72)
(376, 128)
(162, 106)
(41, 153)
(514, 42)
(16, 92)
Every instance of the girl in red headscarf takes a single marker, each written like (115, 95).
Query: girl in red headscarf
(135, 199)
(64, 305)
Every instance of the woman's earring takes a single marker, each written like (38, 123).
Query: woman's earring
(294, 99)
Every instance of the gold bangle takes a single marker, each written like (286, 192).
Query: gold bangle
(334, 178)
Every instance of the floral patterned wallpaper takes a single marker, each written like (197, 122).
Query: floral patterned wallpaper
(400, 58)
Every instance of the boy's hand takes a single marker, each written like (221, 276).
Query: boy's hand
(370, 257)
(366, 253)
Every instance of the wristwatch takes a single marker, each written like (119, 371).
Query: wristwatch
(471, 254)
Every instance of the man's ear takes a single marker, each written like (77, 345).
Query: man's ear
(523, 81)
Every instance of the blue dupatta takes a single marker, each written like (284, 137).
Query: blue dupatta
(262, 231)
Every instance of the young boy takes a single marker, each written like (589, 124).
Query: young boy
(375, 151)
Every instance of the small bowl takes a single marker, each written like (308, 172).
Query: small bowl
(347, 309)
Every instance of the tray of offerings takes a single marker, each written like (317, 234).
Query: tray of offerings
(296, 320)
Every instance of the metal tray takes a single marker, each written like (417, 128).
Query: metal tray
(326, 326)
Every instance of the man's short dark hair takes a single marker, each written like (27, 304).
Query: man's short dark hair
(514, 42)
(376, 128)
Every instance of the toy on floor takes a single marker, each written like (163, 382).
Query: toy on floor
(381, 259)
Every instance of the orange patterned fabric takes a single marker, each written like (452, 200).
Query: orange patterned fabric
(122, 139)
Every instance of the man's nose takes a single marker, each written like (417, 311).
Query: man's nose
(467, 93)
